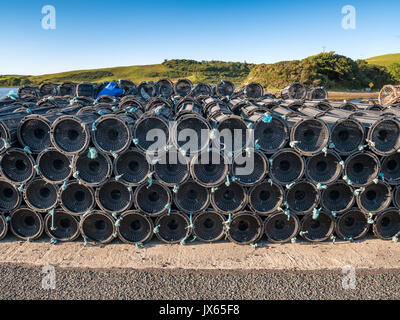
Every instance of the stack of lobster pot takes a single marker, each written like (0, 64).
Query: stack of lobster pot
(184, 163)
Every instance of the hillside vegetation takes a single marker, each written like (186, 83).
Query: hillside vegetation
(331, 70)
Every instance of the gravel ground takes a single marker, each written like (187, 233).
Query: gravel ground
(25, 282)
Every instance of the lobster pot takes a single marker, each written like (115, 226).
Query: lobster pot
(324, 168)
(387, 224)
(86, 90)
(76, 199)
(389, 95)
(54, 166)
(98, 227)
(302, 197)
(92, 172)
(61, 226)
(34, 133)
(17, 166)
(229, 198)
(250, 167)
(135, 228)
(310, 136)
(385, 136)
(214, 107)
(259, 109)
(191, 197)
(26, 224)
(349, 106)
(202, 90)
(3, 227)
(151, 131)
(232, 133)
(128, 86)
(375, 107)
(225, 88)
(173, 227)
(171, 168)
(241, 107)
(165, 88)
(286, 166)
(281, 228)
(132, 167)
(66, 89)
(113, 133)
(10, 196)
(390, 168)
(105, 100)
(153, 200)
(317, 229)
(40, 195)
(347, 135)
(47, 89)
(252, 90)
(266, 197)
(131, 105)
(209, 169)
(82, 101)
(183, 87)
(70, 134)
(245, 228)
(352, 225)
(317, 94)
(338, 197)
(28, 93)
(147, 90)
(114, 197)
(374, 198)
(208, 226)
(295, 91)
(362, 168)
(270, 132)
(9, 126)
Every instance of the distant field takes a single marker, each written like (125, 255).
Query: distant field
(385, 60)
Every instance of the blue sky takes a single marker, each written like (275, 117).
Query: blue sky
(93, 34)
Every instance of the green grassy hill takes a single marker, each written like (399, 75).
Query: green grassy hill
(385, 60)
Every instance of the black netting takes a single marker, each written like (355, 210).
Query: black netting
(318, 94)
(311, 136)
(271, 136)
(208, 226)
(191, 197)
(362, 168)
(192, 133)
(250, 168)
(10, 197)
(338, 197)
(132, 166)
(34, 132)
(229, 199)
(26, 224)
(77, 199)
(253, 90)
(172, 228)
(375, 198)
(347, 135)
(144, 125)
(236, 129)
(209, 169)
(287, 166)
(278, 228)
(66, 89)
(93, 171)
(40, 195)
(266, 197)
(225, 88)
(135, 227)
(68, 135)
(112, 134)
(296, 91)
(66, 226)
(390, 167)
(385, 135)
(352, 225)
(17, 166)
(165, 88)
(147, 90)
(114, 196)
(245, 228)
(349, 106)
(183, 87)
(387, 224)
(152, 200)
(86, 90)
(318, 229)
(54, 166)
(324, 168)
(202, 89)
(171, 168)
(98, 227)
(302, 197)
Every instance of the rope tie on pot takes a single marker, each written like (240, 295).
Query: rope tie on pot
(267, 118)
(361, 147)
(189, 227)
(370, 143)
(349, 239)
(333, 213)
(175, 189)
(156, 229)
(6, 143)
(139, 245)
(214, 189)
(117, 178)
(53, 241)
(256, 145)
(150, 179)
(86, 242)
(370, 218)
(287, 212)
(227, 182)
(254, 245)
(182, 151)
(115, 155)
(332, 145)
(168, 207)
(213, 134)
(64, 186)
(93, 153)
(303, 233)
(333, 238)
(270, 181)
(325, 151)
(21, 187)
(316, 213)
(288, 186)
(12, 95)
(135, 141)
(28, 150)
(293, 240)
(101, 112)
(358, 191)
(227, 225)
(94, 127)
(292, 144)
(8, 218)
(342, 164)
(347, 180)
(36, 167)
(321, 186)
(52, 212)
(396, 238)
(76, 174)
